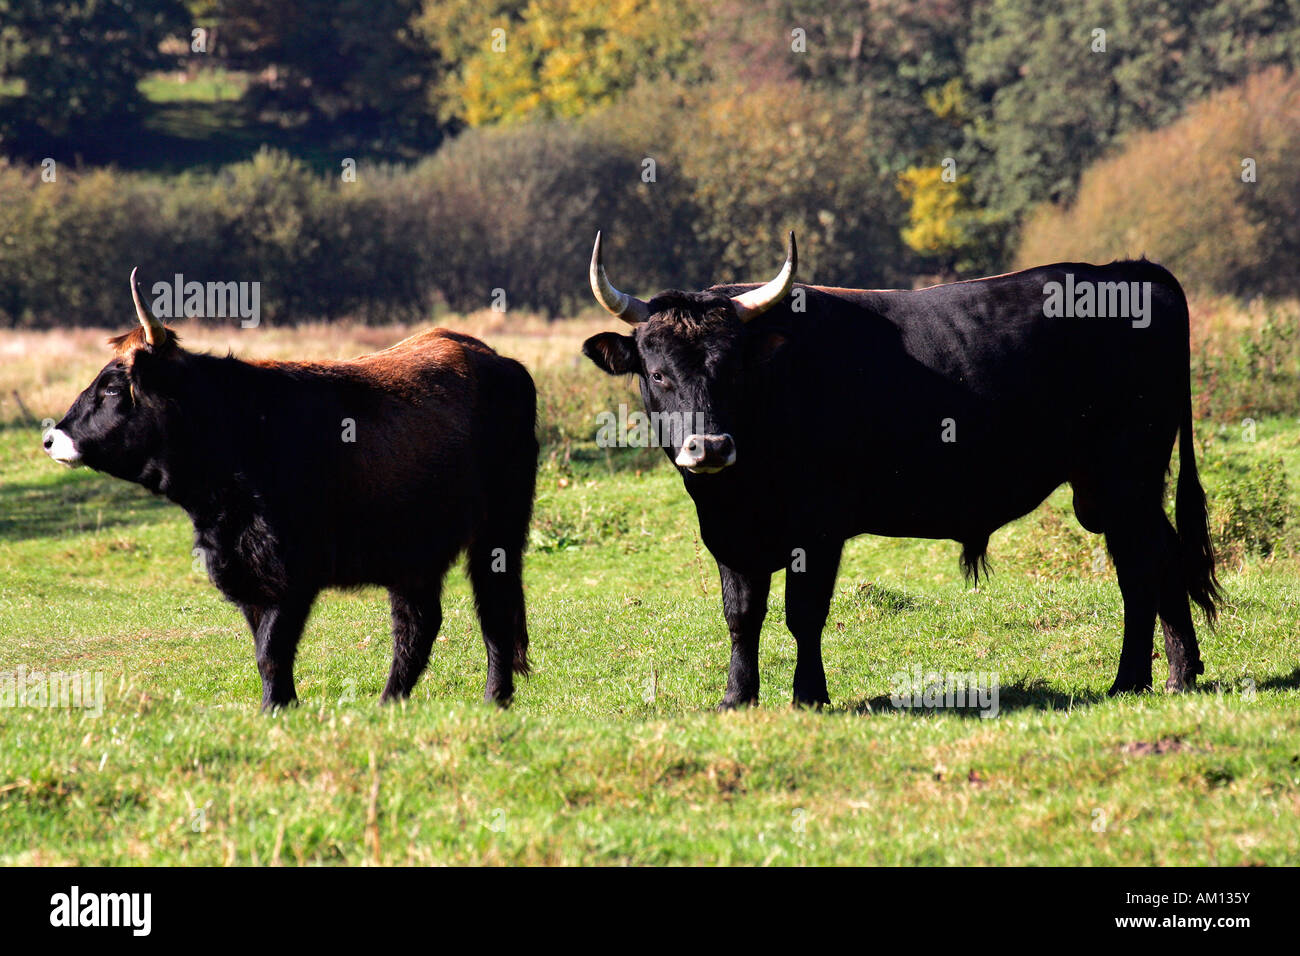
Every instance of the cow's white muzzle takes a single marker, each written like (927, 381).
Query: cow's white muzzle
(60, 446)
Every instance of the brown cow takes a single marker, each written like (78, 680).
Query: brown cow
(305, 475)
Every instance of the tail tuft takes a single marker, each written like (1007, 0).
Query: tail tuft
(521, 656)
(974, 559)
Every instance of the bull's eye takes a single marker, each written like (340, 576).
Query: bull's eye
(111, 390)
(657, 378)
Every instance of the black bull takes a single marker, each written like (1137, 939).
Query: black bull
(938, 413)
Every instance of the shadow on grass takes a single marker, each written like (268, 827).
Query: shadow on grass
(1039, 695)
(72, 503)
(1289, 682)
(887, 599)
(1022, 695)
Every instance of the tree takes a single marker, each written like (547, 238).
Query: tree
(1237, 153)
(1056, 89)
(357, 61)
(77, 62)
(887, 53)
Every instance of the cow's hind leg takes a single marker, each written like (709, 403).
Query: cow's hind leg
(809, 586)
(1181, 648)
(744, 604)
(417, 616)
(276, 632)
(496, 570)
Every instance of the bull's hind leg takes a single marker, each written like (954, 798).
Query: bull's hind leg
(276, 631)
(497, 575)
(1136, 549)
(417, 616)
(744, 604)
(1181, 648)
(809, 586)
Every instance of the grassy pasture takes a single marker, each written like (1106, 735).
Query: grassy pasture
(612, 753)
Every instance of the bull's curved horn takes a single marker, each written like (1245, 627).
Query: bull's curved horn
(154, 333)
(750, 305)
(628, 308)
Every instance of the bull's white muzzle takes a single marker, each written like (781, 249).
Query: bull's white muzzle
(706, 454)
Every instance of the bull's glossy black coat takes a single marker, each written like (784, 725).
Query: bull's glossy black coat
(840, 412)
(305, 475)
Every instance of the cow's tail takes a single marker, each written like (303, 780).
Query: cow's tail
(1194, 526)
(509, 475)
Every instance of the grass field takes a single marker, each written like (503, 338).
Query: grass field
(612, 753)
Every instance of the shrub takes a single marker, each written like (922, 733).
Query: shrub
(516, 209)
(319, 248)
(1248, 372)
(1251, 507)
(1177, 195)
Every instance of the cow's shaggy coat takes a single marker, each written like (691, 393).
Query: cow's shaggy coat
(304, 475)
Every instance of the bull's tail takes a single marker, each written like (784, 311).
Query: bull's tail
(1194, 526)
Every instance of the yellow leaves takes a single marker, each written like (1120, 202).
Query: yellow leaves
(950, 102)
(561, 58)
(937, 208)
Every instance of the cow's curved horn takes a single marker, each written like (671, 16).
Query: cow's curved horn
(154, 333)
(750, 305)
(628, 308)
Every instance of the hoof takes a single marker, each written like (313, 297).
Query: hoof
(1128, 687)
(737, 703)
(810, 703)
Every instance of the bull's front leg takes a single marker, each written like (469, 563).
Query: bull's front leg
(744, 604)
(809, 587)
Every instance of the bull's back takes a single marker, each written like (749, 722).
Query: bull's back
(946, 411)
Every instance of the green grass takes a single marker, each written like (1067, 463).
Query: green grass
(612, 753)
(207, 86)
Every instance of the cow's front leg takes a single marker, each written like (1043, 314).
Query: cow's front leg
(744, 604)
(809, 586)
(276, 630)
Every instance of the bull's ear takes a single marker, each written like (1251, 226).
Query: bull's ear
(613, 353)
(769, 346)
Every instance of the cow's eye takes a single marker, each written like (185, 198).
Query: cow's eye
(110, 390)
(657, 377)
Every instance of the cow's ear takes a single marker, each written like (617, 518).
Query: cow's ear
(152, 369)
(612, 353)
